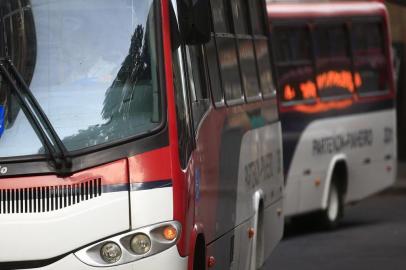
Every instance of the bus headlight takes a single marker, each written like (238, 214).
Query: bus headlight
(131, 246)
(140, 244)
(110, 252)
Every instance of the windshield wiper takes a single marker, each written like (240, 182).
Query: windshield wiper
(57, 151)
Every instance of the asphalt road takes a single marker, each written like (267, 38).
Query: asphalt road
(372, 236)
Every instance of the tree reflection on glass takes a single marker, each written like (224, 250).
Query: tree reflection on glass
(128, 103)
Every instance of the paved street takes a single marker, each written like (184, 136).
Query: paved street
(372, 236)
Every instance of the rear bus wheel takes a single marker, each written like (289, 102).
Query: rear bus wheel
(199, 260)
(331, 216)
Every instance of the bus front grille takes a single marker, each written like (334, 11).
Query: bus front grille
(47, 198)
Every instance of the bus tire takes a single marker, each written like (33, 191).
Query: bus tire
(331, 216)
(259, 238)
(199, 259)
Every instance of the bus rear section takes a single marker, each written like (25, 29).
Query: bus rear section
(119, 148)
(337, 104)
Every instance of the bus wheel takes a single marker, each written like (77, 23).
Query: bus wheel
(199, 262)
(330, 217)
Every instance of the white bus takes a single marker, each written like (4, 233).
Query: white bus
(337, 104)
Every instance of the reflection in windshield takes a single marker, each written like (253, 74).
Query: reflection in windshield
(95, 72)
(128, 97)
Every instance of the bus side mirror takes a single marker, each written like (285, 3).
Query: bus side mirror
(194, 21)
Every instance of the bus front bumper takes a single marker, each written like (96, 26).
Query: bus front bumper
(168, 260)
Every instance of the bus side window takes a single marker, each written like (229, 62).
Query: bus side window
(264, 67)
(248, 67)
(230, 75)
(225, 45)
(246, 54)
(370, 64)
(214, 72)
(294, 66)
(240, 16)
(261, 46)
(256, 9)
(219, 12)
(333, 61)
(197, 76)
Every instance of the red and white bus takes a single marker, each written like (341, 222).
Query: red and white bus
(337, 104)
(133, 137)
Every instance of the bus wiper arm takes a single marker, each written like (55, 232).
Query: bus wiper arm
(37, 117)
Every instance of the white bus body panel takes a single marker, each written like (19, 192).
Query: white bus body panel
(168, 260)
(371, 164)
(259, 170)
(260, 178)
(40, 236)
(151, 206)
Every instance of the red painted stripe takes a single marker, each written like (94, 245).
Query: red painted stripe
(110, 174)
(182, 205)
(150, 166)
(301, 10)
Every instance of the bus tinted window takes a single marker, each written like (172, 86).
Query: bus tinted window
(214, 73)
(248, 68)
(198, 83)
(331, 41)
(243, 54)
(240, 16)
(264, 66)
(369, 59)
(367, 38)
(197, 72)
(257, 17)
(293, 44)
(333, 62)
(229, 68)
(294, 64)
(182, 112)
(296, 83)
(219, 16)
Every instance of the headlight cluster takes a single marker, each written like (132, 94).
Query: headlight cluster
(140, 244)
(110, 252)
(131, 246)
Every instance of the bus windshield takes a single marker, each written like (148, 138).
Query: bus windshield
(91, 65)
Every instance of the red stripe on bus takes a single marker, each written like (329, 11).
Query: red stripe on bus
(319, 10)
(110, 174)
(181, 207)
(150, 166)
